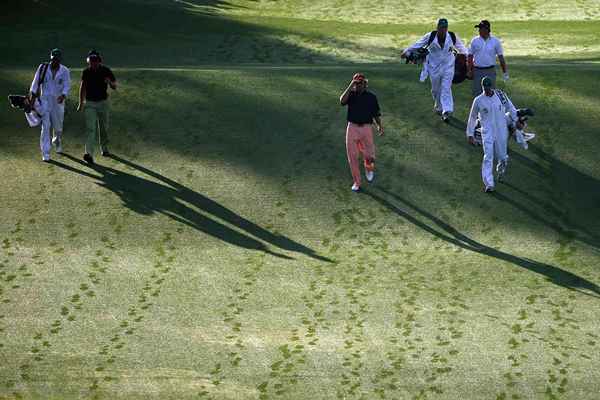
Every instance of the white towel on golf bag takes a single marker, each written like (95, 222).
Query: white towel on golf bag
(523, 137)
(34, 117)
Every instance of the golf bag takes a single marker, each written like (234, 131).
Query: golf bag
(31, 104)
(460, 63)
(516, 129)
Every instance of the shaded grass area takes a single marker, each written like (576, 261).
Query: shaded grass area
(221, 254)
(167, 33)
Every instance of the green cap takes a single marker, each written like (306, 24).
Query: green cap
(442, 23)
(486, 82)
(55, 53)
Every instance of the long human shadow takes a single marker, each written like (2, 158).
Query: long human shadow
(576, 209)
(185, 206)
(577, 216)
(449, 234)
(212, 207)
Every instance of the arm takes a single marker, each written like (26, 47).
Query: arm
(346, 93)
(377, 117)
(500, 53)
(470, 59)
(111, 80)
(81, 96)
(66, 86)
(460, 46)
(510, 108)
(112, 84)
(502, 63)
(417, 45)
(379, 125)
(34, 83)
(472, 121)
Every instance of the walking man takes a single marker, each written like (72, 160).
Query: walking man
(93, 99)
(363, 110)
(481, 60)
(439, 65)
(51, 85)
(490, 109)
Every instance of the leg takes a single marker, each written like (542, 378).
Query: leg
(487, 165)
(501, 153)
(57, 116)
(368, 148)
(436, 84)
(492, 74)
(103, 121)
(352, 152)
(45, 144)
(91, 125)
(446, 91)
(477, 76)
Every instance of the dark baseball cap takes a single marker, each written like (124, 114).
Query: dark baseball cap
(55, 53)
(486, 82)
(93, 54)
(442, 23)
(484, 23)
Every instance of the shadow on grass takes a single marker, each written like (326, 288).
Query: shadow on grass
(571, 204)
(185, 206)
(573, 201)
(144, 32)
(446, 232)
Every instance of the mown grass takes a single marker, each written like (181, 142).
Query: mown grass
(221, 254)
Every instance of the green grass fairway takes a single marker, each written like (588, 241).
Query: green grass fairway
(220, 254)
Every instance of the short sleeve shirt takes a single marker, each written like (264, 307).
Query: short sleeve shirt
(484, 51)
(362, 108)
(95, 85)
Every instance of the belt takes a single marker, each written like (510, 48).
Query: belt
(491, 66)
(356, 123)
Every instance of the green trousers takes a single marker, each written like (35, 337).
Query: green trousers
(96, 124)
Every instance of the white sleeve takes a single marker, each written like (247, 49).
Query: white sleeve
(499, 49)
(67, 82)
(473, 118)
(36, 78)
(471, 49)
(460, 46)
(510, 108)
(419, 43)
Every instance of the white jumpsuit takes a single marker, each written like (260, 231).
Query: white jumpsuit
(53, 113)
(439, 66)
(491, 112)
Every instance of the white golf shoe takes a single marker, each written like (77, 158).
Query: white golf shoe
(370, 176)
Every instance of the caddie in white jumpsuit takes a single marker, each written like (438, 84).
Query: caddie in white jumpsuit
(490, 108)
(439, 65)
(53, 91)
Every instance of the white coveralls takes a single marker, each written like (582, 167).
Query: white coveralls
(53, 113)
(491, 112)
(439, 67)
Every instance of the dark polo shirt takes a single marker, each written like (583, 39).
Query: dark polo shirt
(362, 108)
(95, 86)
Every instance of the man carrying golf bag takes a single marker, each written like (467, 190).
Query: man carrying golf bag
(49, 90)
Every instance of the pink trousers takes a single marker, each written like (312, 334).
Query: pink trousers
(359, 139)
